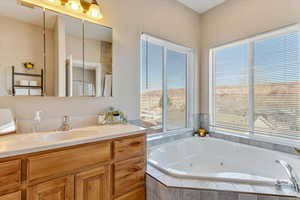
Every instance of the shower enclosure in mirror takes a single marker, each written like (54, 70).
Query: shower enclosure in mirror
(73, 58)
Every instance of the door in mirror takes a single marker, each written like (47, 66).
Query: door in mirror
(97, 60)
(66, 55)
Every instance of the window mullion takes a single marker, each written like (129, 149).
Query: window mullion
(165, 91)
(251, 68)
(211, 91)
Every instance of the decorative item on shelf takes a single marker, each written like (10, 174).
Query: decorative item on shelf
(101, 119)
(82, 9)
(201, 132)
(114, 116)
(297, 150)
(28, 66)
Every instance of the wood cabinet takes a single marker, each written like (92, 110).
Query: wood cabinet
(10, 174)
(12, 196)
(129, 175)
(93, 184)
(67, 160)
(129, 148)
(57, 189)
(106, 170)
(138, 194)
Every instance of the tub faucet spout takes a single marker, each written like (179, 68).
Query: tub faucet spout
(293, 177)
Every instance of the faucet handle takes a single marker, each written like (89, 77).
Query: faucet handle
(288, 168)
(281, 183)
(292, 175)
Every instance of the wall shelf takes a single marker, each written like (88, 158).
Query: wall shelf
(14, 86)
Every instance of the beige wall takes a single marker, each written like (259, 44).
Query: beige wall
(92, 49)
(238, 19)
(163, 18)
(22, 42)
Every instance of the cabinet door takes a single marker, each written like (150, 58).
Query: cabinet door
(138, 194)
(57, 189)
(94, 184)
(129, 175)
(12, 196)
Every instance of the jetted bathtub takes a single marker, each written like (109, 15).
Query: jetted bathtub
(220, 160)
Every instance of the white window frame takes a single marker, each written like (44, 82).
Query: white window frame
(250, 41)
(189, 52)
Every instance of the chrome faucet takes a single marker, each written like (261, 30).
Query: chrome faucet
(66, 126)
(293, 177)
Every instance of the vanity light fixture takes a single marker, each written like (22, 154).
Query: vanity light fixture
(94, 10)
(75, 5)
(89, 11)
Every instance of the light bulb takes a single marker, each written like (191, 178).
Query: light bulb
(94, 11)
(56, 2)
(75, 4)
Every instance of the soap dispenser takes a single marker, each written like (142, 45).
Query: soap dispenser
(37, 122)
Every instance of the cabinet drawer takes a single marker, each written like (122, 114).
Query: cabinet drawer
(67, 160)
(10, 174)
(129, 148)
(12, 196)
(129, 175)
(138, 194)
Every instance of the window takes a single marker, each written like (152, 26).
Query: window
(165, 71)
(255, 85)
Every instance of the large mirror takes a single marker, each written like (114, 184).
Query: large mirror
(72, 59)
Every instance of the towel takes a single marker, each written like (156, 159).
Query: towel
(107, 86)
(7, 122)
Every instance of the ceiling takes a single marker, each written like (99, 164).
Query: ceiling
(201, 6)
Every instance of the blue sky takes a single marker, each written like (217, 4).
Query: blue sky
(276, 60)
(176, 68)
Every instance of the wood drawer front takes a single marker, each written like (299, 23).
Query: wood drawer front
(129, 175)
(67, 160)
(12, 196)
(129, 148)
(138, 194)
(10, 174)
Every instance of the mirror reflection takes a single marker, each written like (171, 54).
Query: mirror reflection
(21, 39)
(78, 54)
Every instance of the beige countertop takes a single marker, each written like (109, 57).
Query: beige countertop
(18, 144)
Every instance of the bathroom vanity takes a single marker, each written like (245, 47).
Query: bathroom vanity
(95, 163)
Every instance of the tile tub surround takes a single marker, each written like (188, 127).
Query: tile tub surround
(204, 122)
(154, 140)
(156, 137)
(162, 189)
(257, 143)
